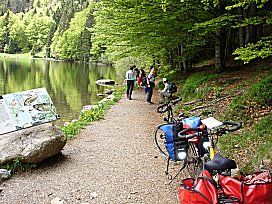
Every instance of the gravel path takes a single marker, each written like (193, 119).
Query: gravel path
(111, 161)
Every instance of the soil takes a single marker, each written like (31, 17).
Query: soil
(110, 161)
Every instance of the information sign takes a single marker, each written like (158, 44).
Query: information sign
(25, 109)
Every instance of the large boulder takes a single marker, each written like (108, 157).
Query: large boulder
(31, 145)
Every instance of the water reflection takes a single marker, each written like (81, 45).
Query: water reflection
(70, 85)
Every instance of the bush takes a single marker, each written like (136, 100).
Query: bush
(193, 82)
(262, 91)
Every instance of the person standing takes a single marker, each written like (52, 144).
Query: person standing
(165, 92)
(141, 76)
(130, 78)
(150, 85)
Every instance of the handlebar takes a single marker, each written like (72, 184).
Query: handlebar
(235, 126)
(173, 100)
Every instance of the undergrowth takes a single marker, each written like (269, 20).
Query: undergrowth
(255, 142)
(196, 87)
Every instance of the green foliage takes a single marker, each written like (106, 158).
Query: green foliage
(16, 165)
(195, 80)
(262, 91)
(122, 65)
(257, 143)
(211, 26)
(237, 103)
(72, 129)
(262, 49)
(69, 45)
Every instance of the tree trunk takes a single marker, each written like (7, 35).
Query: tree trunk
(220, 43)
(247, 30)
(241, 31)
(253, 28)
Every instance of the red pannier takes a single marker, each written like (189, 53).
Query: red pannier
(199, 191)
(252, 189)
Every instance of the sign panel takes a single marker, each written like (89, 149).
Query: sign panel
(25, 109)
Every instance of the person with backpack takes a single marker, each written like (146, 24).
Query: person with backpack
(130, 79)
(166, 91)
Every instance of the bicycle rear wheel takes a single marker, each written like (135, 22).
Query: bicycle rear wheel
(194, 162)
(160, 139)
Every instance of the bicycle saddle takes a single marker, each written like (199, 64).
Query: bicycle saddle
(220, 163)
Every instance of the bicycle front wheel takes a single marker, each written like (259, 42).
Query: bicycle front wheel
(160, 139)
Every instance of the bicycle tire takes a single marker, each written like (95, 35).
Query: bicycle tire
(159, 140)
(194, 162)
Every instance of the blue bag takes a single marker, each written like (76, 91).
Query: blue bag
(193, 121)
(169, 141)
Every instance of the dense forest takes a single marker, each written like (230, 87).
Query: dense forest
(175, 33)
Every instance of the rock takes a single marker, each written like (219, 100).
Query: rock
(66, 123)
(105, 82)
(31, 145)
(109, 92)
(93, 195)
(88, 107)
(57, 200)
(4, 174)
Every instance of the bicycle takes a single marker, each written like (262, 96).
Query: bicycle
(159, 132)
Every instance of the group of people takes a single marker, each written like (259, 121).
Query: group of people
(135, 74)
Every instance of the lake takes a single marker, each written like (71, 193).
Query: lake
(70, 85)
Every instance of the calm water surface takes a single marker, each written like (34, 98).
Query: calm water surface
(70, 85)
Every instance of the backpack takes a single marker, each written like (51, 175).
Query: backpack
(172, 142)
(172, 88)
(144, 81)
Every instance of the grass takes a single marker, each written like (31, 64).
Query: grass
(256, 143)
(95, 114)
(16, 165)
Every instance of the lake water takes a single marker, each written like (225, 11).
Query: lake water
(70, 85)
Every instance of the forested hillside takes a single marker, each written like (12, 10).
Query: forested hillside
(57, 28)
(173, 33)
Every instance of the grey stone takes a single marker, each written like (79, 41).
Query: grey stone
(105, 82)
(31, 145)
(4, 174)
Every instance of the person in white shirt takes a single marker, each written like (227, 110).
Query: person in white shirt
(130, 78)
(165, 92)
(150, 85)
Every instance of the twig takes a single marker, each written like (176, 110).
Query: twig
(210, 104)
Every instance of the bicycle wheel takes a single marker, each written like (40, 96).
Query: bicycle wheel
(194, 162)
(159, 140)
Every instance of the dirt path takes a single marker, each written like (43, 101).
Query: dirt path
(111, 161)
